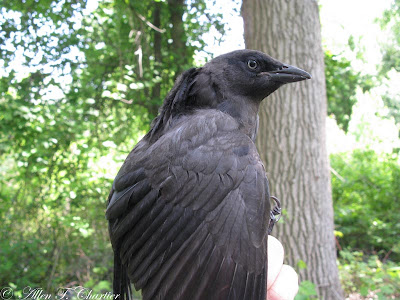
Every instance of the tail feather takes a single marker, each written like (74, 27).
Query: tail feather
(121, 284)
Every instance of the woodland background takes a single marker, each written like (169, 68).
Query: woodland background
(80, 82)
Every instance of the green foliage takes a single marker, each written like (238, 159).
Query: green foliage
(86, 86)
(392, 102)
(367, 209)
(341, 87)
(341, 84)
(368, 274)
(23, 24)
(366, 201)
(301, 264)
(307, 290)
(391, 54)
(390, 22)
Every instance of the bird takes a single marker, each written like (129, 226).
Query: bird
(189, 210)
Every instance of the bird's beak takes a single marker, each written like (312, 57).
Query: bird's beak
(287, 74)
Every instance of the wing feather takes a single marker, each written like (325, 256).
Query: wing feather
(189, 213)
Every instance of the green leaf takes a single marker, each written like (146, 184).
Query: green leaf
(307, 290)
(364, 291)
(301, 265)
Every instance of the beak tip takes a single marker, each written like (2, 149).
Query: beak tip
(289, 74)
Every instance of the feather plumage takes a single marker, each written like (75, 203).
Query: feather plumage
(189, 209)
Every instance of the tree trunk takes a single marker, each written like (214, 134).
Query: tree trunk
(156, 90)
(176, 9)
(291, 137)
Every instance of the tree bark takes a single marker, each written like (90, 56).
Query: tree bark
(291, 137)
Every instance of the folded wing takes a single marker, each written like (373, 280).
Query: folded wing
(189, 213)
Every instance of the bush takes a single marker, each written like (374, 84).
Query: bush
(366, 196)
(368, 275)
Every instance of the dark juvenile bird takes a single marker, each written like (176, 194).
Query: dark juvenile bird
(189, 209)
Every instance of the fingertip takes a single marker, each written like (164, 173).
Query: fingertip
(275, 259)
(285, 286)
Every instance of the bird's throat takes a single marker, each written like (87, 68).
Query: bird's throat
(244, 111)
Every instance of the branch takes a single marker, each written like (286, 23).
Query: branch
(148, 23)
(387, 255)
(337, 175)
(139, 53)
(127, 101)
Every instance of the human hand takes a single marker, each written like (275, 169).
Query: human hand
(283, 282)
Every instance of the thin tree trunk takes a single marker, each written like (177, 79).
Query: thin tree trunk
(291, 137)
(176, 9)
(156, 90)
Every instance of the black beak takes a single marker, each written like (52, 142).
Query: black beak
(287, 73)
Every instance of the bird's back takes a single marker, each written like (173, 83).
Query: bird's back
(189, 212)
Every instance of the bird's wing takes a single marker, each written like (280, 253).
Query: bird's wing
(189, 214)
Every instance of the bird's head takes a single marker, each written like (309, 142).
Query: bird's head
(224, 82)
(251, 73)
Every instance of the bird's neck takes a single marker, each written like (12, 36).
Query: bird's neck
(244, 111)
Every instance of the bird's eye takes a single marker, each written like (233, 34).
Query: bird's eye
(252, 64)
